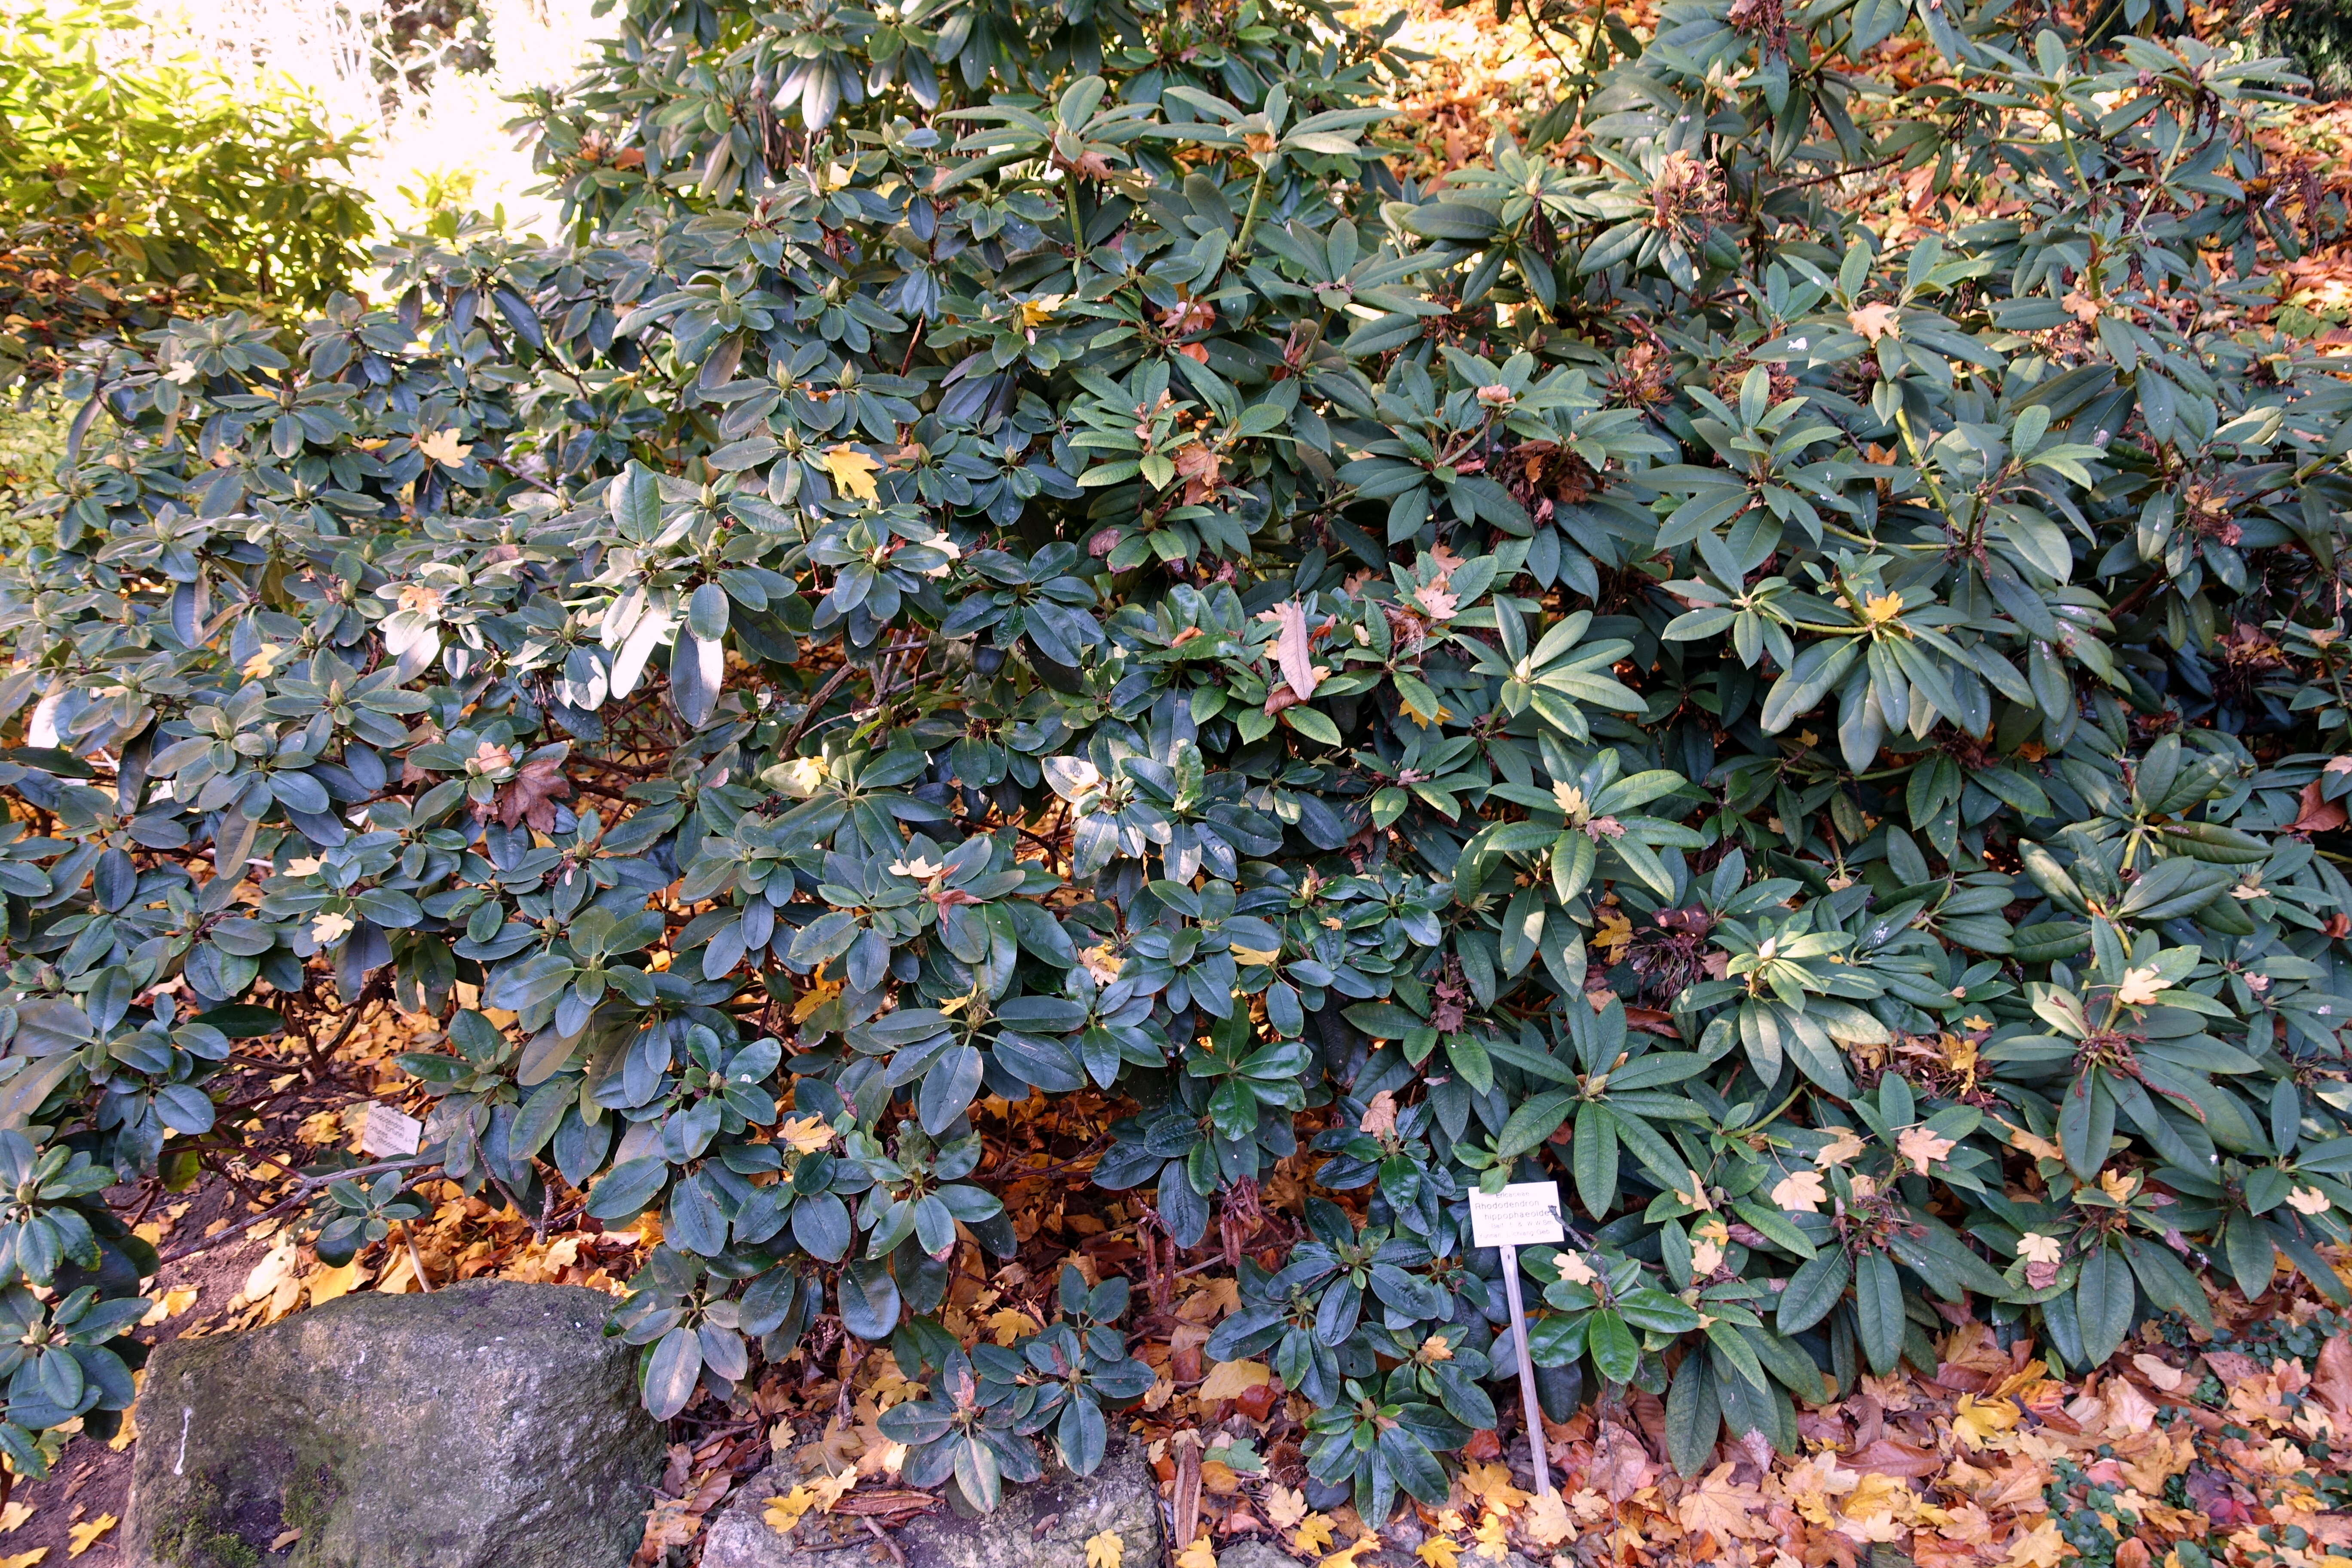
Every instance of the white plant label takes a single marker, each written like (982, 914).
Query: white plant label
(389, 1134)
(1522, 1214)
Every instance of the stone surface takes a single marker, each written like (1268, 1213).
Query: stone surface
(485, 1424)
(1043, 1526)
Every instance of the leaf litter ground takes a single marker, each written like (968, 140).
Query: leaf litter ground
(2235, 1450)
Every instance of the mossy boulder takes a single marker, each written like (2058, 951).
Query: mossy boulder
(1042, 1526)
(484, 1423)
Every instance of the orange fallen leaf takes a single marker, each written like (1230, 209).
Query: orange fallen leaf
(2317, 815)
(1874, 320)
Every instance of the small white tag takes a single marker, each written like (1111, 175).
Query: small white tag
(390, 1135)
(1521, 1215)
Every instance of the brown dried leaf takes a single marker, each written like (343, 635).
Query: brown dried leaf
(889, 1502)
(1294, 651)
(1622, 1465)
(1889, 1458)
(2331, 1378)
(2318, 816)
(532, 794)
(1197, 466)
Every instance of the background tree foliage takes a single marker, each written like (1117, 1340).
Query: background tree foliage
(1008, 554)
(129, 190)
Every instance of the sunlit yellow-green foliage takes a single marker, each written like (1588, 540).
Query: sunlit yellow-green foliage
(130, 190)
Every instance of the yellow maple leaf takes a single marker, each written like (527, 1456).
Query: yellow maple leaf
(796, 780)
(820, 992)
(2040, 1547)
(1978, 1422)
(17, 1513)
(2141, 987)
(1036, 312)
(1491, 1484)
(333, 1284)
(1800, 1192)
(444, 448)
(1105, 1549)
(1878, 608)
(1313, 1534)
(1722, 1507)
(1548, 1523)
(2308, 1200)
(1347, 1555)
(1493, 1534)
(1838, 1150)
(1007, 1324)
(852, 469)
(1200, 1554)
(1282, 1506)
(170, 1304)
(1614, 933)
(1421, 718)
(1878, 1508)
(785, 1509)
(2036, 1247)
(85, 1535)
(806, 1135)
(1921, 1147)
(1438, 1551)
(25, 1559)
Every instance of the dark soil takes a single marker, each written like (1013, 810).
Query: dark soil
(93, 1479)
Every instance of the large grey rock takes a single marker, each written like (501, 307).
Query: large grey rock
(1043, 1526)
(485, 1424)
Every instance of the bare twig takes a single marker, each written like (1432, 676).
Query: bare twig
(373, 991)
(891, 1546)
(1824, 179)
(824, 693)
(423, 1280)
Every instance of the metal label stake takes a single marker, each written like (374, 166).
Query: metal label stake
(1522, 1214)
(1528, 1401)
